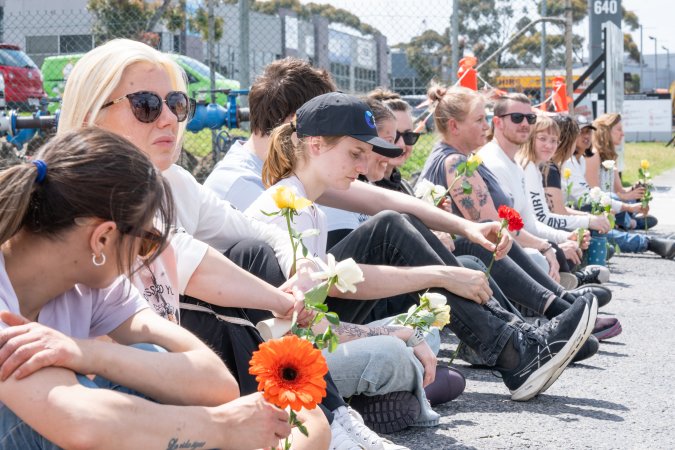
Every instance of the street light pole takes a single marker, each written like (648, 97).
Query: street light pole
(667, 64)
(642, 63)
(656, 62)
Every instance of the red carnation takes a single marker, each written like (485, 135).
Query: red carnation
(510, 217)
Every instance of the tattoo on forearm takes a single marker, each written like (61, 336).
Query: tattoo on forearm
(467, 204)
(359, 331)
(175, 445)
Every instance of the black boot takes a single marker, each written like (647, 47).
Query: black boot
(665, 248)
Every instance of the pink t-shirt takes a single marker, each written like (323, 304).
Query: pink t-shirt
(81, 312)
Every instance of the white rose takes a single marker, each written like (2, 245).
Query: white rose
(425, 190)
(435, 300)
(348, 273)
(605, 200)
(608, 164)
(595, 194)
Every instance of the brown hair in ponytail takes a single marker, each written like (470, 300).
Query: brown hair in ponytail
(91, 173)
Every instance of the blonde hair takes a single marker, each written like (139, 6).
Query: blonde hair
(527, 153)
(452, 103)
(98, 73)
(602, 138)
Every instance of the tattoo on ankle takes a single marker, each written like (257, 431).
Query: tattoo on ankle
(187, 444)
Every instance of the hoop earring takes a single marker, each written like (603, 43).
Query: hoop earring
(94, 259)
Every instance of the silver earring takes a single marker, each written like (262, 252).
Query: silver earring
(95, 261)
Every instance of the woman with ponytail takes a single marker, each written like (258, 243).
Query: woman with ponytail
(73, 224)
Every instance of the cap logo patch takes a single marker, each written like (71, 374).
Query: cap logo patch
(370, 120)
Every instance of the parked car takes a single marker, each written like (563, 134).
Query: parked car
(57, 68)
(23, 80)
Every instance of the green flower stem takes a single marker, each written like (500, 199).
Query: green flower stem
(287, 214)
(494, 253)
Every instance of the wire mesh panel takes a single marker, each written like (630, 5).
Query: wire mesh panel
(403, 45)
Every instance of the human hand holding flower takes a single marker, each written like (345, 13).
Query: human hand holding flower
(510, 218)
(290, 373)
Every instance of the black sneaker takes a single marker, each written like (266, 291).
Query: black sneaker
(590, 348)
(603, 293)
(592, 302)
(387, 413)
(545, 352)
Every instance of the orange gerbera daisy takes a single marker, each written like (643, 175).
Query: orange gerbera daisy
(290, 372)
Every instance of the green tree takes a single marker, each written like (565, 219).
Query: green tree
(120, 18)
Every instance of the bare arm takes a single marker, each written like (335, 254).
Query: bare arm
(478, 204)
(387, 281)
(244, 290)
(368, 199)
(554, 199)
(72, 416)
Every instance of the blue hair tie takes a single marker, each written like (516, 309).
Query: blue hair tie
(41, 171)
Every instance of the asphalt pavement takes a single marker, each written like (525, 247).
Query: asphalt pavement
(622, 398)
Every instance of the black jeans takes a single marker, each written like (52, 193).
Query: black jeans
(389, 238)
(519, 284)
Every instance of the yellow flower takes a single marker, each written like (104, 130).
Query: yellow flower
(567, 173)
(474, 159)
(644, 164)
(285, 198)
(442, 318)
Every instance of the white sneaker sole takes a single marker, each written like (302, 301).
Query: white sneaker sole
(542, 377)
(568, 281)
(593, 314)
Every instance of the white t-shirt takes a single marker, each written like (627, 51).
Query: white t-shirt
(309, 218)
(81, 312)
(217, 222)
(169, 275)
(237, 177)
(512, 180)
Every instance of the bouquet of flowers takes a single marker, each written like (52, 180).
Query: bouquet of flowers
(433, 311)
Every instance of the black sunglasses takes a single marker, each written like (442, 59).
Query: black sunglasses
(518, 117)
(147, 106)
(409, 137)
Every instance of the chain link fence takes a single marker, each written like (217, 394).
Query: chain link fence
(404, 45)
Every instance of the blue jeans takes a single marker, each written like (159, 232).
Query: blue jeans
(16, 434)
(627, 241)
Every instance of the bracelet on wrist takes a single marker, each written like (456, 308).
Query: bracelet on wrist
(416, 338)
(545, 249)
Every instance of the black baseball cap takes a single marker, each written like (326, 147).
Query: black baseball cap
(338, 114)
(584, 122)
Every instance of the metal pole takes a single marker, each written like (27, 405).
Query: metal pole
(454, 40)
(642, 62)
(244, 70)
(212, 72)
(569, 81)
(667, 65)
(656, 65)
(542, 94)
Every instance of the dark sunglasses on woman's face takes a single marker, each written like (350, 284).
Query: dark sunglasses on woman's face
(518, 117)
(147, 106)
(409, 137)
